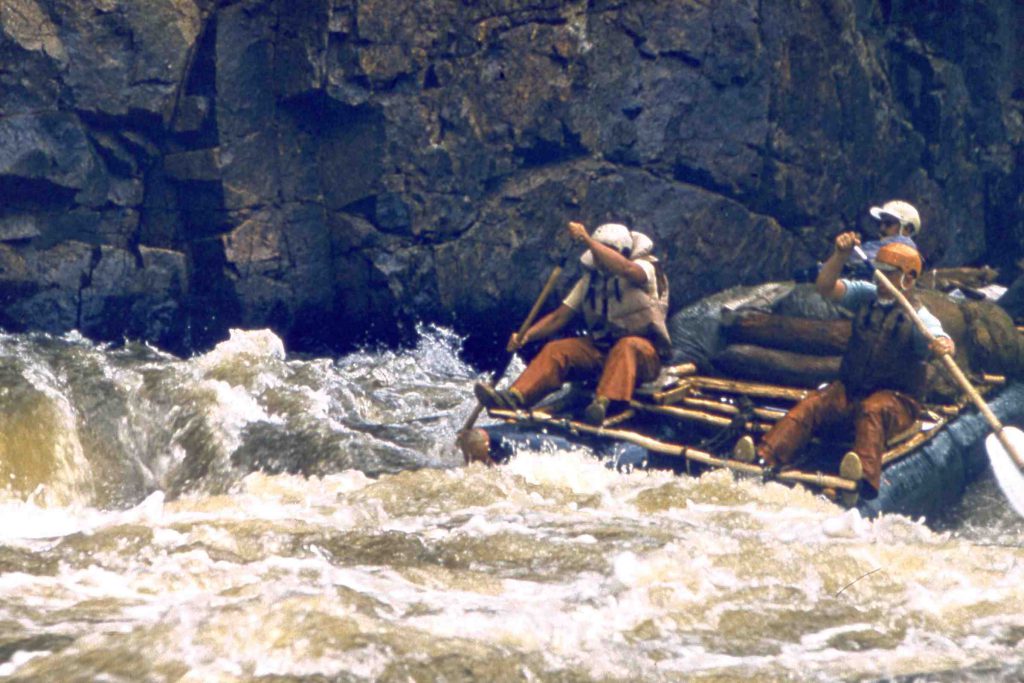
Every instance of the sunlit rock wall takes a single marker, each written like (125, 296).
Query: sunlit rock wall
(338, 169)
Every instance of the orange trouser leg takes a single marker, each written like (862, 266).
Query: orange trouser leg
(823, 409)
(631, 361)
(878, 417)
(558, 361)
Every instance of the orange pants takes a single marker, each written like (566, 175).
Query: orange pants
(631, 361)
(874, 419)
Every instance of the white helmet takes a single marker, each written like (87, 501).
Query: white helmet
(902, 211)
(613, 235)
(642, 245)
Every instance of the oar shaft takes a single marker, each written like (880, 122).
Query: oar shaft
(473, 417)
(531, 316)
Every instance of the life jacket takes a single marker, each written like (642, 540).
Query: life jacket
(614, 308)
(881, 353)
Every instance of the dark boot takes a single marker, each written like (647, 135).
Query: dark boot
(497, 399)
(744, 450)
(852, 469)
(595, 412)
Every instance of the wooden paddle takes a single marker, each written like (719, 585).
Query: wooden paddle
(544, 293)
(1006, 444)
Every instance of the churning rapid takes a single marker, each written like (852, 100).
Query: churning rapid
(245, 516)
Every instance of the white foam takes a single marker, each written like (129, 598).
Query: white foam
(18, 659)
(575, 470)
(254, 343)
(849, 524)
(28, 521)
(231, 410)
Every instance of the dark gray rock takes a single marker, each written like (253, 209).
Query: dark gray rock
(339, 169)
(51, 152)
(192, 165)
(125, 59)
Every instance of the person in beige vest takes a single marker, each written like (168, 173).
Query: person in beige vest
(623, 298)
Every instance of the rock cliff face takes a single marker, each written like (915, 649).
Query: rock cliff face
(339, 169)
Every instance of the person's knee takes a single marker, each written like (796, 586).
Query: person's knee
(559, 349)
(641, 345)
(876, 405)
(558, 345)
(632, 347)
(804, 416)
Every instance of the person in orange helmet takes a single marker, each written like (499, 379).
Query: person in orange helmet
(882, 374)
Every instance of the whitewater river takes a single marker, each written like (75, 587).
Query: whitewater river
(248, 516)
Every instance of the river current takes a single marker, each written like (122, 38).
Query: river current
(246, 515)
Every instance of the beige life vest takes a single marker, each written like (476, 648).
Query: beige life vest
(614, 308)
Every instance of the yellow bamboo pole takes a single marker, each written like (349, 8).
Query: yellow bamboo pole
(770, 414)
(813, 478)
(696, 416)
(729, 386)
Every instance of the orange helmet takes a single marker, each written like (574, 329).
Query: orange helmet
(902, 256)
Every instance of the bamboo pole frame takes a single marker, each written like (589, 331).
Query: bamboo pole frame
(729, 386)
(768, 414)
(818, 479)
(941, 414)
(696, 416)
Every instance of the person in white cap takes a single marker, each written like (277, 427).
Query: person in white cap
(898, 222)
(623, 298)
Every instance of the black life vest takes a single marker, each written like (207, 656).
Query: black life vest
(881, 353)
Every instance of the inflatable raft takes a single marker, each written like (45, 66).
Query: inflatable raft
(747, 356)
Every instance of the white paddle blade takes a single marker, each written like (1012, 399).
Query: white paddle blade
(1009, 477)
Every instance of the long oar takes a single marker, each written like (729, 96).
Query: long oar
(1006, 444)
(544, 293)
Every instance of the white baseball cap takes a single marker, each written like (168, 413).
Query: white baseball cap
(900, 210)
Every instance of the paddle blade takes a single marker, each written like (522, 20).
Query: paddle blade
(1009, 477)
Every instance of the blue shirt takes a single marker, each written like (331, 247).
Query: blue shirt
(861, 292)
(871, 247)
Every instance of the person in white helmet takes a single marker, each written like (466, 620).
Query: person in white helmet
(623, 299)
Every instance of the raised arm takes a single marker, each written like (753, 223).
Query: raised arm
(606, 258)
(828, 283)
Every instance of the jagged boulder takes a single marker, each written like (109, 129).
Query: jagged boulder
(373, 163)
